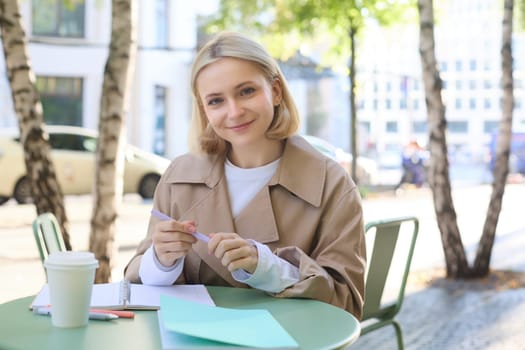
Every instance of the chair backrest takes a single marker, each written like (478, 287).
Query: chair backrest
(388, 263)
(48, 235)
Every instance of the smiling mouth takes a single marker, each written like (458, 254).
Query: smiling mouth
(240, 126)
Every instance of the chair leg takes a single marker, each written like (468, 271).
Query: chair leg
(399, 335)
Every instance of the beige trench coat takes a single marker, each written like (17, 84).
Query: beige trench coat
(309, 214)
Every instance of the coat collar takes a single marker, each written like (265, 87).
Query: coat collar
(302, 170)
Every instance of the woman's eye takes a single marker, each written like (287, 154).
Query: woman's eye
(247, 91)
(214, 101)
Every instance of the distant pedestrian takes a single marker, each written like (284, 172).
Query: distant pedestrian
(413, 161)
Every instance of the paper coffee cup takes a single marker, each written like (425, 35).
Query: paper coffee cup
(70, 276)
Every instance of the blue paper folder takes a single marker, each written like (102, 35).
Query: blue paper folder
(255, 328)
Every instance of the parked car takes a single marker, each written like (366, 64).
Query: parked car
(366, 168)
(73, 155)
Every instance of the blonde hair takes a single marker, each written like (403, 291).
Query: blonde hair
(285, 122)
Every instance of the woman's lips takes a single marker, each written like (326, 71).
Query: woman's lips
(240, 127)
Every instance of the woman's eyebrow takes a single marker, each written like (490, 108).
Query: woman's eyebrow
(238, 86)
(213, 94)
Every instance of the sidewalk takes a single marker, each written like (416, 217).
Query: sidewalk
(436, 314)
(445, 314)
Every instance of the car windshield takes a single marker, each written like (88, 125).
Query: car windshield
(72, 142)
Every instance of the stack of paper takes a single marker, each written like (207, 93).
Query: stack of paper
(189, 325)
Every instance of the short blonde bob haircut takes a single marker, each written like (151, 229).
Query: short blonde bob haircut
(285, 122)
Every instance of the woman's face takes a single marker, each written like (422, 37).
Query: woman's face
(238, 101)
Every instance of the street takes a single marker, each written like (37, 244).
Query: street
(23, 274)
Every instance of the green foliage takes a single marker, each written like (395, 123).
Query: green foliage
(521, 14)
(285, 26)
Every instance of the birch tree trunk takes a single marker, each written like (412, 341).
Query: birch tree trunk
(439, 180)
(501, 169)
(110, 148)
(45, 189)
(353, 111)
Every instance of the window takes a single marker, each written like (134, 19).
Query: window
(472, 103)
(487, 103)
(388, 103)
(487, 84)
(458, 84)
(490, 125)
(403, 103)
(459, 66)
(458, 127)
(58, 18)
(61, 99)
(458, 103)
(72, 142)
(391, 127)
(159, 134)
(419, 127)
(161, 23)
(472, 65)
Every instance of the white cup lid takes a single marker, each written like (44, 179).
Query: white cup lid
(71, 258)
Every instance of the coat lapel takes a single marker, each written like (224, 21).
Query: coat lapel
(256, 221)
(213, 214)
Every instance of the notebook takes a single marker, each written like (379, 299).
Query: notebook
(130, 296)
(187, 324)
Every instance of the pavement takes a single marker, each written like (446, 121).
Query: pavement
(437, 313)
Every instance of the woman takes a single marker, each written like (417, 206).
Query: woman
(280, 216)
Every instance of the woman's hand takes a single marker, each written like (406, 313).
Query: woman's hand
(172, 240)
(233, 251)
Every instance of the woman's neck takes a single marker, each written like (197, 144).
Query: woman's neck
(253, 157)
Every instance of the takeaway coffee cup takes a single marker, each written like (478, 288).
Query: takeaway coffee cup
(70, 276)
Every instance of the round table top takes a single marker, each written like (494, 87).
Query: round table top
(313, 324)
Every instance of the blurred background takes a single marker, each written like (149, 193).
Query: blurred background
(68, 43)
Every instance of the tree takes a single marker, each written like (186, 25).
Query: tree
(286, 25)
(110, 147)
(45, 189)
(457, 265)
(501, 170)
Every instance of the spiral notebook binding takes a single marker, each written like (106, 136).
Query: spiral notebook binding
(125, 292)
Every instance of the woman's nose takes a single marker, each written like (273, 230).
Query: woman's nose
(235, 109)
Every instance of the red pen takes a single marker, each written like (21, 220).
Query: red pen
(119, 313)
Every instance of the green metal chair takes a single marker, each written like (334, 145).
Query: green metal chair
(48, 235)
(388, 264)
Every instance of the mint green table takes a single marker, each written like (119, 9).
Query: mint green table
(313, 324)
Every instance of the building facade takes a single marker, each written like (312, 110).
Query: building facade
(468, 41)
(68, 47)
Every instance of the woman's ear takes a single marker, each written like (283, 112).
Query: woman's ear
(277, 91)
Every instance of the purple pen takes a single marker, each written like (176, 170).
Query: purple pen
(164, 217)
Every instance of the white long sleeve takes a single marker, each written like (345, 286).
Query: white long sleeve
(152, 272)
(272, 274)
